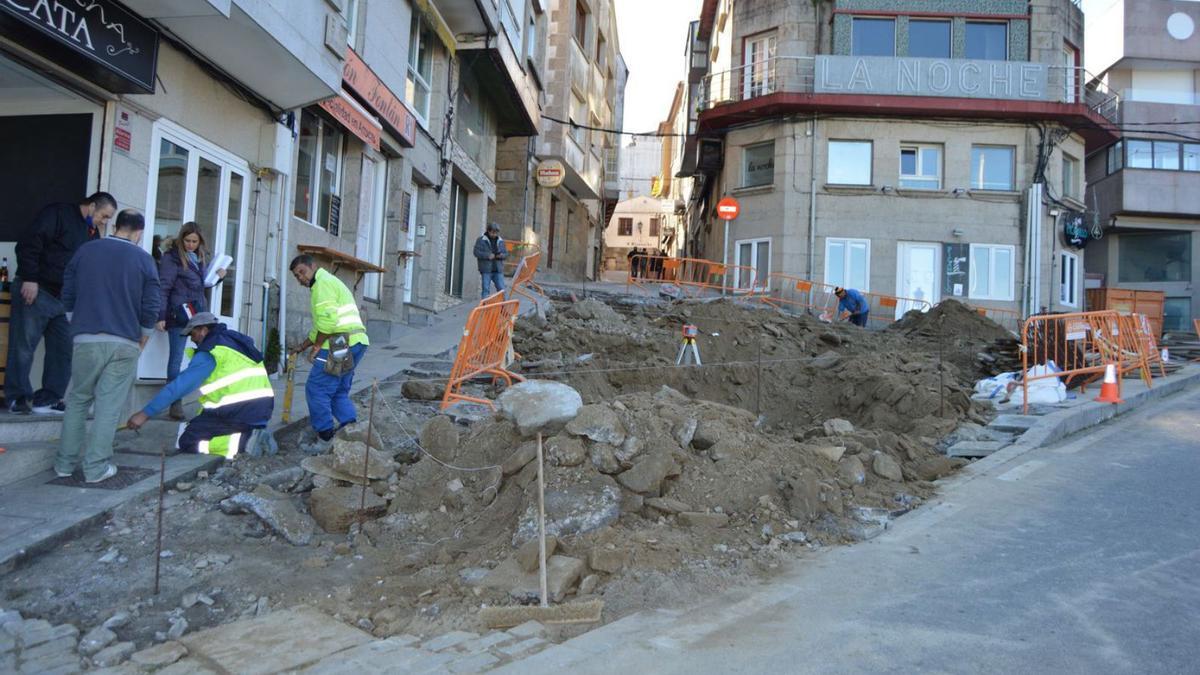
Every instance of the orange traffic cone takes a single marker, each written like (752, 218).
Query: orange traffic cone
(1110, 391)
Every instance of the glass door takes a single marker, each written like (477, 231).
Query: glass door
(918, 276)
(193, 181)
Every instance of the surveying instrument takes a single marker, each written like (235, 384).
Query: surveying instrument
(689, 340)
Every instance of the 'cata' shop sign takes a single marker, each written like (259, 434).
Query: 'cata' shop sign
(98, 39)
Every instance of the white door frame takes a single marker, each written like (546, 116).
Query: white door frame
(411, 242)
(902, 261)
(152, 365)
(737, 261)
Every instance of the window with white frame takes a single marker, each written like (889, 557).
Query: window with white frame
(756, 255)
(758, 69)
(848, 263)
(1068, 279)
(351, 15)
(1070, 176)
(420, 69)
(921, 167)
(849, 163)
(758, 164)
(993, 167)
(992, 272)
(318, 172)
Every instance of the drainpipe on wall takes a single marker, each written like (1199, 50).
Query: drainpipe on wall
(812, 195)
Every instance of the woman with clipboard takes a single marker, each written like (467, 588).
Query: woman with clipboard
(184, 275)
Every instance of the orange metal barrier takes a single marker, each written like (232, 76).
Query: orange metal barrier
(1009, 319)
(798, 295)
(1144, 332)
(696, 277)
(523, 276)
(485, 349)
(1080, 346)
(518, 251)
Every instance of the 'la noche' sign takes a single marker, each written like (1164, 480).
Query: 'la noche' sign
(955, 78)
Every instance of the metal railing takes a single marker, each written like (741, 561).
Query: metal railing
(797, 75)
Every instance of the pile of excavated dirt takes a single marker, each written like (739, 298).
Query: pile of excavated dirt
(795, 371)
(962, 333)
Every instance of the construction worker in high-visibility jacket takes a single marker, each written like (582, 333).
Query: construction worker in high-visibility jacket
(236, 397)
(335, 320)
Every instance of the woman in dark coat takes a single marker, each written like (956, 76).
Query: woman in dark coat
(181, 273)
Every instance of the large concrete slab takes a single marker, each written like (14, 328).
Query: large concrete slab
(1016, 424)
(22, 460)
(974, 449)
(280, 641)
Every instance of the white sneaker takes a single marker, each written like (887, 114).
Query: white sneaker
(108, 473)
(63, 475)
(59, 408)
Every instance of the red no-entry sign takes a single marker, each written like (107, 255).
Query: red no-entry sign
(728, 208)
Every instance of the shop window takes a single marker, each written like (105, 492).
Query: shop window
(1068, 279)
(756, 255)
(1070, 176)
(987, 41)
(848, 263)
(758, 164)
(992, 167)
(625, 227)
(992, 272)
(319, 173)
(921, 167)
(873, 37)
(420, 69)
(1155, 257)
(929, 39)
(1176, 312)
(849, 163)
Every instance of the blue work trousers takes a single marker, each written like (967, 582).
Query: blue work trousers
(328, 397)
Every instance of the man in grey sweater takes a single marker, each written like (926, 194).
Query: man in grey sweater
(111, 286)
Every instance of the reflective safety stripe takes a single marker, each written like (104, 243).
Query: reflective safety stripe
(222, 446)
(230, 379)
(240, 397)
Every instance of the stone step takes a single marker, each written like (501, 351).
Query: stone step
(22, 460)
(974, 449)
(26, 428)
(1016, 424)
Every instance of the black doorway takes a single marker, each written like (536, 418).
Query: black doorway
(43, 159)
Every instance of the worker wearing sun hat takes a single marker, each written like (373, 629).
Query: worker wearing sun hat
(852, 306)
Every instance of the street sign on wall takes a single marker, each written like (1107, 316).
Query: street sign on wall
(728, 208)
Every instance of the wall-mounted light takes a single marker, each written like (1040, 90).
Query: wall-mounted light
(1054, 213)
(958, 232)
(958, 192)
(887, 188)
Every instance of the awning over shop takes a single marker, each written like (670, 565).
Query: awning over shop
(351, 115)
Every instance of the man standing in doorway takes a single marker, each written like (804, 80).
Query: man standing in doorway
(42, 256)
(111, 287)
(337, 328)
(490, 251)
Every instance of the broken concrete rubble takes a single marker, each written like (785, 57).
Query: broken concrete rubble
(337, 508)
(575, 509)
(278, 512)
(539, 406)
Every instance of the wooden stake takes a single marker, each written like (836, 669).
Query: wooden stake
(362, 501)
(541, 524)
(162, 479)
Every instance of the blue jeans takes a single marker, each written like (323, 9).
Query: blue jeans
(328, 397)
(175, 356)
(207, 426)
(860, 319)
(45, 317)
(496, 278)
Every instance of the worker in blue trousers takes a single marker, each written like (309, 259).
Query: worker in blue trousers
(852, 306)
(336, 345)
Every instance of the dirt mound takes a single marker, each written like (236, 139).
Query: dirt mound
(793, 370)
(959, 331)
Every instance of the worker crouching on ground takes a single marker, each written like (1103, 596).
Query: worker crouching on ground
(235, 393)
(852, 306)
(336, 344)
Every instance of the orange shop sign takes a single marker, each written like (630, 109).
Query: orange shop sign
(363, 81)
(728, 208)
(349, 116)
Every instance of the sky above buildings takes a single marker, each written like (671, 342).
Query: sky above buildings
(652, 35)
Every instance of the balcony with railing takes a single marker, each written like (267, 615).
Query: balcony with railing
(911, 87)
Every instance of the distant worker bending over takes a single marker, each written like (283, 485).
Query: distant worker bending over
(852, 306)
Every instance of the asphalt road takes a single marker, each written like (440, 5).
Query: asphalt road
(1083, 557)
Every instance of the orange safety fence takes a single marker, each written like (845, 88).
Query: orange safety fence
(523, 276)
(1142, 331)
(798, 295)
(696, 277)
(1009, 319)
(1077, 347)
(485, 349)
(518, 251)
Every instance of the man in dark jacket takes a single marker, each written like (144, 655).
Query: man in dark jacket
(490, 251)
(235, 393)
(111, 289)
(42, 256)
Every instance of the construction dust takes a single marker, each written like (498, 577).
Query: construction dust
(671, 484)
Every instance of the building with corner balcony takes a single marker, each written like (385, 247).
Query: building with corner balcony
(1145, 187)
(927, 149)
